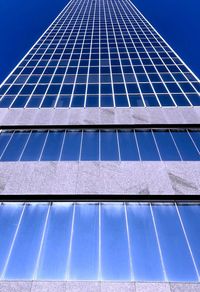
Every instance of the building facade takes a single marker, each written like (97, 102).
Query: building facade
(99, 158)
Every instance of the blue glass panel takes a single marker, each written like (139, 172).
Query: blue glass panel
(196, 138)
(136, 100)
(144, 248)
(4, 138)
(106, 100)
(9, 218)
(114, 255)
(90, 145)
(121, 100)
(109, 147)
(78, 101)
(127, 145)
(49, 101)
(63, 101)
(24, 254)
(185, 145)
(165, 100)
(92, 101)
(180, 100)
(190, 215)
(55, 251)
(150, 100)
(35, 101)
(15, 146)
(166, 146)
(6, 101)
(147, 147)
(85, 243)
(177, 259)
(53, 145)
(34, 146)
(20, 101)
(71, 146)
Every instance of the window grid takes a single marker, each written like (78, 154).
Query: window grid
(127, 216)
(121, 145)
(102, 54)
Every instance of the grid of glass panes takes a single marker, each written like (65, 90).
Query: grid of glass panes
(119, 241)
(103, 145)
(100, 53)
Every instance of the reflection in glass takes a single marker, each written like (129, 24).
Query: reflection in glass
(127, 145)
(85, 243)
(144, 248)
(24, 254)
(115, 257)
(53, 260)
(176, 255)
(53, 145)
(90, 145)
(109, 147)
(15, 146)
(34, 146)
(9, 219)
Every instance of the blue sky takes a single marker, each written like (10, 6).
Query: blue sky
(22, 22)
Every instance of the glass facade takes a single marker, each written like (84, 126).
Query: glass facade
(100, 53)
(100, 241)
(103, 145)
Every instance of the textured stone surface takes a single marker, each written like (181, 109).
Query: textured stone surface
(185, 287)
(49, 286)
(81, 286)
(95, 116)
(152, 287)
(117, 287)
(14, 286)
(93, 177)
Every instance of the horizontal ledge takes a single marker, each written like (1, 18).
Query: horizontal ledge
(101, 126)
(99, 198)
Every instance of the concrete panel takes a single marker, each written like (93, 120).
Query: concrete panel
(49, 286)
(15, 286)
(184, 177)
(80, 286)
(155, 178)
(89, 180)
(98, 116)
(117, 287)
(152, 287)
(184, 287)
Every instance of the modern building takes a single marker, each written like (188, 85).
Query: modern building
(99, 159)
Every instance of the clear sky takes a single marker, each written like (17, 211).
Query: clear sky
(23, 21)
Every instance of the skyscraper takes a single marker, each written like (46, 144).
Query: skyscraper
(99, 158)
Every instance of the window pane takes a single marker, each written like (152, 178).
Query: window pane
(24, 254)
(71, 147)
(127, 145)
(53, 260)
(9, 218)
(53, 145)
(166, 146)
(185, 145)
(15, 146)
(143, 243)
(34, 146)
(115, 257)
(147, 145)
(191, 220)
(4, 138)
(109, 147)
(90, 145)
(85, 242)
(177, 260)
(196, 138)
